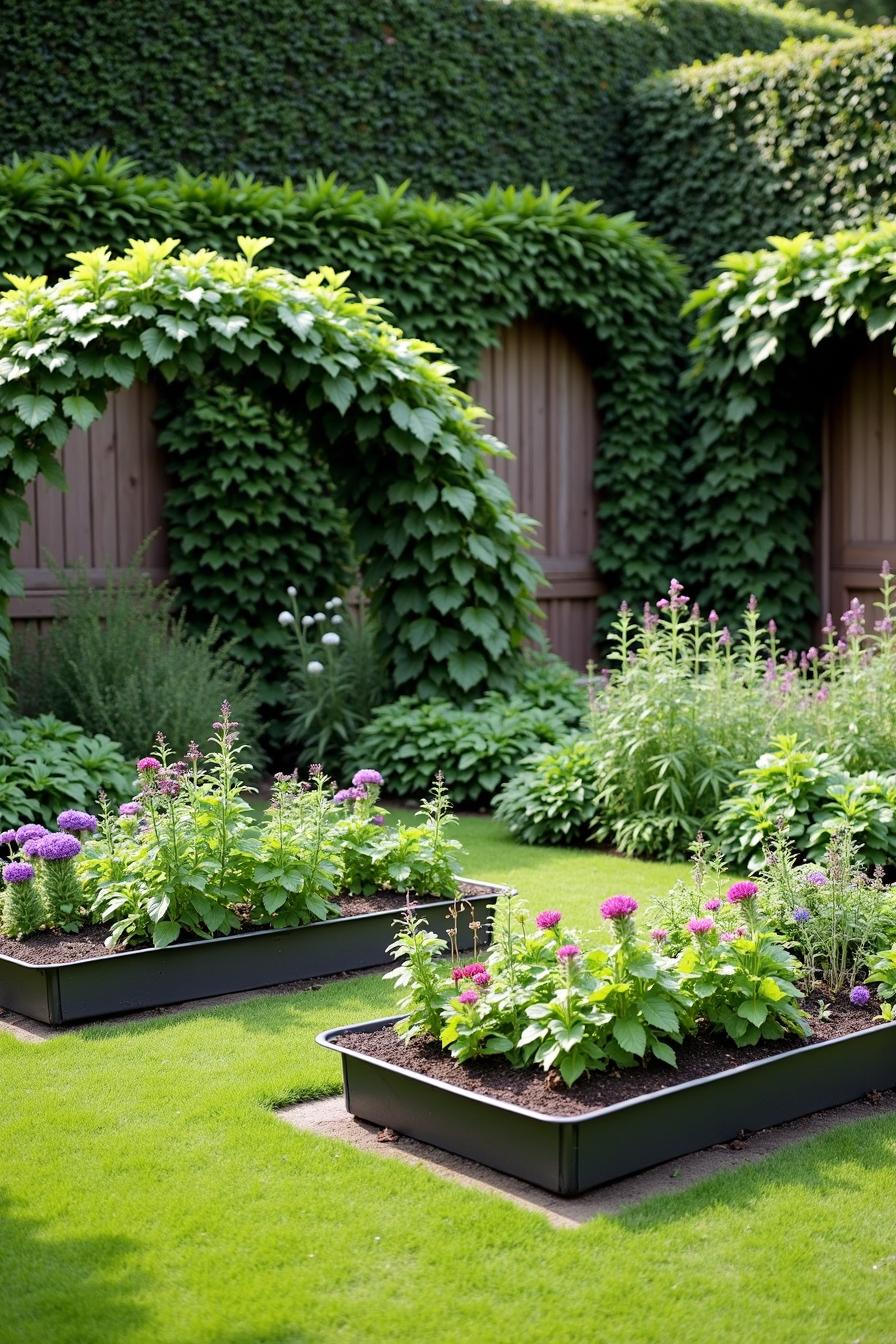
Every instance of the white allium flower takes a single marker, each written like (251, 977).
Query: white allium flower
(328, 606)
(319, 616)
(330, 637)
(291, 590)
(307, 620)
(335, 602)
(336, 620)
(286, 618)
(314, 667)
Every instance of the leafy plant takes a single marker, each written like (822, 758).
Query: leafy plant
(476, 746)
(552, 799)
(336, 681)
(118, 659)
(47, 765)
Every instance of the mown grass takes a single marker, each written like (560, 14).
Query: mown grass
(148, 1195)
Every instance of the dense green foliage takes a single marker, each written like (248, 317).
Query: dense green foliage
(727, 154)
(552, 799)
(453, 273)
(477, 745)
(46, 765)
(444, 555)
(767, 330)
(119, 660)
(455, 94)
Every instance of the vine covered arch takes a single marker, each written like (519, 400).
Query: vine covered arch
(771, 330)
(332, 387)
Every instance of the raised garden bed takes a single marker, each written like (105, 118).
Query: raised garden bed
(590, 1144)
(98, 983)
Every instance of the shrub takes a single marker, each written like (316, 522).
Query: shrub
(552, 799)
(477, 747)
(811, 126)
(117, 659)
(47, 765)
(816, 798)
(454, 93)
(336, 678)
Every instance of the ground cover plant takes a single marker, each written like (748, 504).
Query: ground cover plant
(695, 727)
(188, 856)
(47, 764)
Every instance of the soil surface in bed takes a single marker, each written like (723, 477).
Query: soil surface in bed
(698, 1057)
(48, 948)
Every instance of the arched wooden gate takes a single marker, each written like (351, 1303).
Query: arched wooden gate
(114, 499)
(539, 388)
(858, 510)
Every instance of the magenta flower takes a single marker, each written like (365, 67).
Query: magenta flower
(468, 996)
(482, 979)
(76, 821)
(55, 848)
(739, 892)
(701, 926)
(714, 904)
(860, 996)
(659, 935)
(474, 968)
(130, 809)
(458, 973)
(713, 617)
(30, 832)
(618, 907)
(18, 872)
(362, 777)
(148, 764)
(548, 919)
(567, 952)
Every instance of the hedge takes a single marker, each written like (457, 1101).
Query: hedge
(455, 94)
(444, 554)
(727, 154)
(452, 273)
(768, 331)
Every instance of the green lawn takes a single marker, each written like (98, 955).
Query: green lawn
(149, 1196)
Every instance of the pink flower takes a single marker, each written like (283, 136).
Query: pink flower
(468, 996)
(567, 952)
(659, 935)
(701, 926)
(148, 763)
(483, 979)
(548, 919)
(618, 907)
(742, 891)
(714, 904)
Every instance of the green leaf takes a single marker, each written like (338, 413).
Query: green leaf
(483, 549)
(630, 1035)
(165, 933)
(34, 410)
(753, 1011)
(423, 424)
(461, 499)
(82, 411)
(157, 345)
(467, 668)
(120, 369)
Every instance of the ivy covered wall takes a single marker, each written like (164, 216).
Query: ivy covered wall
(455, 94)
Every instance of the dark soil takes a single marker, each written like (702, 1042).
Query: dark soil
(698, 1057)
(48, 948)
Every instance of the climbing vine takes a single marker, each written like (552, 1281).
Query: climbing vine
(442, 551)
(768, 330)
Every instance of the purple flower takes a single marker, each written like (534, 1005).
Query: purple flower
(361, 777)
(724, 637)
(31, 848)
(76, 821)
(567, 952)
(618, 907)
(148, 763)
(130, 809)
(659, 935)
(739, 892)
(7, 837)
(772, 628)
(482, 979)
(816, 879)
(860, 996)
(54, 848)
(701, 926)
(468, 996)
(30, 832)
(378, 821)
(353, 795)
(169, 786)
(801, 914)
(458, 973)
(18, 872)
(548, 919)
(885, 569)
(714, 904)
(713, 617)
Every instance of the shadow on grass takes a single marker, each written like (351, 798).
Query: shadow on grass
(62, 1291)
